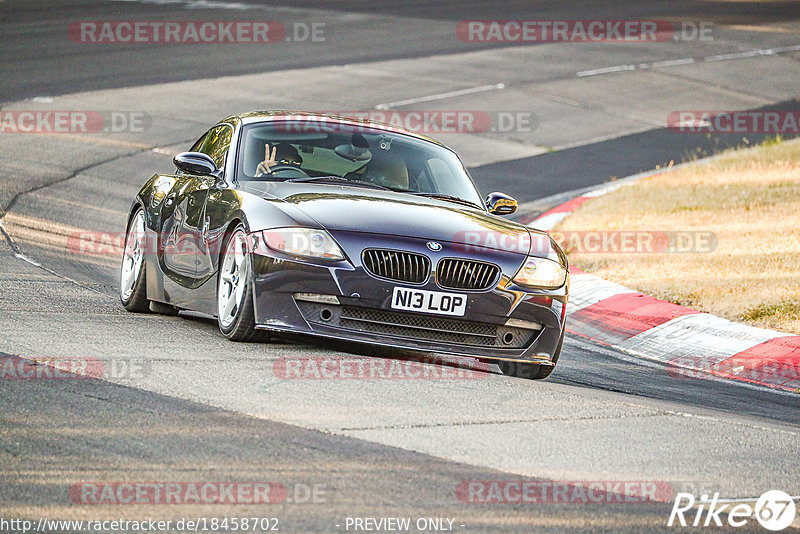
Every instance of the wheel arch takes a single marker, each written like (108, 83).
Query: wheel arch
(136, 205)
(235, 221)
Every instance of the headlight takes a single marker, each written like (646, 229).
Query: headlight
(541, 272)
(161, 187)
(307, 242)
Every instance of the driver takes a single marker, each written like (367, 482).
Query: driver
(282, 154)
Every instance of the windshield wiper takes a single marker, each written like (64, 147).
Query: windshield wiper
(337, 180)
(442, 196)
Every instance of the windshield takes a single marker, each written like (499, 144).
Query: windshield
(305, 149)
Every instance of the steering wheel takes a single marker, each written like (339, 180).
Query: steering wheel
(284, 171)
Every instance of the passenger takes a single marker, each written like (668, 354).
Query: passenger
(385, 169)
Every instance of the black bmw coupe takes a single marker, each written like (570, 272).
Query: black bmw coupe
(348, 229)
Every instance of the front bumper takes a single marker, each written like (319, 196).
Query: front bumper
(343, 301)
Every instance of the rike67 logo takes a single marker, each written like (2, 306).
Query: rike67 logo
(774, 510)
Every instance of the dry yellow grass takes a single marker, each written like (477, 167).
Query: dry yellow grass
(749, 198)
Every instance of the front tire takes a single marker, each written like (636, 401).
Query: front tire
(532, 371)
(133, 283)
(235, 313)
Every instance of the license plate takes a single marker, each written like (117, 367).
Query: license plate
(423, 301)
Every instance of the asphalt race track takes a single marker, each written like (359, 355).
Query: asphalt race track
(178, 402)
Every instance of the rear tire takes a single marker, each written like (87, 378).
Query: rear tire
(163, 309)
(133, 282)
(235, 310)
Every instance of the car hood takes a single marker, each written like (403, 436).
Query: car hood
(351, 209)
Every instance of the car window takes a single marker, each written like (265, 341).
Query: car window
(396, 161)
(199, 142)
(215, 143)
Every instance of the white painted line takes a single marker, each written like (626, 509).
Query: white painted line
(25, 258)
(605, 70)
(782, 49)
(686, 61)
(755, 53)
(442, 96)
(741, 55)
(673, 62)
(605, 190)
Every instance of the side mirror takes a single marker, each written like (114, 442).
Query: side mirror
(195, 163)
(500, 204)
